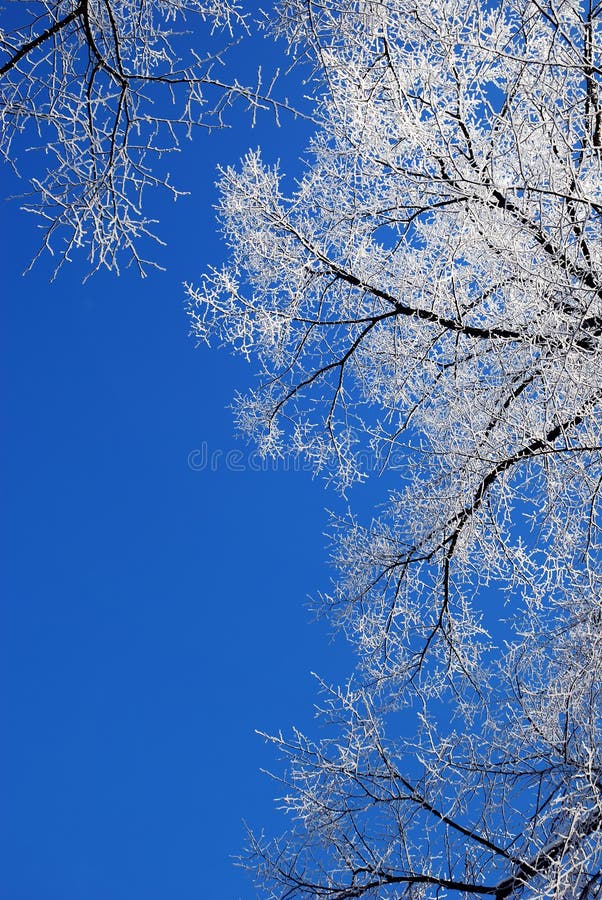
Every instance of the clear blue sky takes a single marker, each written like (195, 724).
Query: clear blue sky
(152, 616)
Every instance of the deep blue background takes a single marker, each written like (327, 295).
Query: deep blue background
(152, 616)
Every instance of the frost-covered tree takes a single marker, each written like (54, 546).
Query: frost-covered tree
(430, 293)
(107, 88)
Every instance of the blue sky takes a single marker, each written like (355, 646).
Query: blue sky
(153, 615)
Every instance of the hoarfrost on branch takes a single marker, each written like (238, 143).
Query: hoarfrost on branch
(431, 292)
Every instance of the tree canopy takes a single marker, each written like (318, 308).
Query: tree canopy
(430, 293)
(107, 90)
(429, 296)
